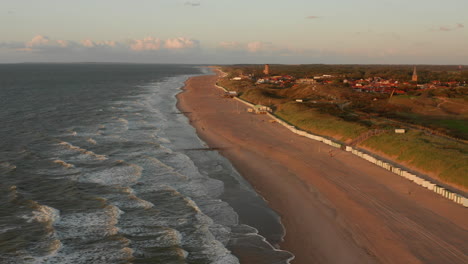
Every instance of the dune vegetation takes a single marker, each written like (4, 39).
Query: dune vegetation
(435, 121)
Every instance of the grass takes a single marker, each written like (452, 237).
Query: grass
(262, 96)
(321, 114)
(445, 158)
(455, 127)
(311, 120)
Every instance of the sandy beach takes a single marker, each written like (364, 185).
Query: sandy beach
(336, 207)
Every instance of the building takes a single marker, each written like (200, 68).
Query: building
(306, 80)
(414, 78)
(266, 71)
(230, 94)
(261, 109)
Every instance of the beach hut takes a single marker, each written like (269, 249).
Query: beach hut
(230, 94)
(261, 109)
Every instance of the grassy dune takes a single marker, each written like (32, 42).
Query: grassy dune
(443, 158)
(311, 120)
(338, 112)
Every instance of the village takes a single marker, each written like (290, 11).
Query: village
(371, 85)
(433, 99)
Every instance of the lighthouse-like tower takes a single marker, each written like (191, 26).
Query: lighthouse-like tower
(414, 78)
(266, 71)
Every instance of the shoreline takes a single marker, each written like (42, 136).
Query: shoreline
(335, 210)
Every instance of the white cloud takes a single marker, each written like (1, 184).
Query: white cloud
(101, 44)
(39, 42)
(449, 28)
(148, 43)
(62, 43)
(152, 43)
(251, 47)
(230, 45)
(181, 43)
(87, 43)
(44, 43)
(258, 46)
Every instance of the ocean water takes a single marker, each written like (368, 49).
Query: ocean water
(97, 165)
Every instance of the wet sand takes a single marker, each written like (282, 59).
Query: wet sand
(336, 208)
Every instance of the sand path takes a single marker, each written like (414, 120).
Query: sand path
(338, 209)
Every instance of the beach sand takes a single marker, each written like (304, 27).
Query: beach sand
(336, 207)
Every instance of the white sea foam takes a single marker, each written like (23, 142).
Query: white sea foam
(48, 217)
(248, 236)
(188, 218)
(7, 166)
(131, 201)
(89, 225)
(40, 213)
(82, 151)
(125, 121)
(92, 141)
(122, 174)
(63, 163)
(162, 237)
(160, 168)
(164, 140)
(12, 193)
(96, 253)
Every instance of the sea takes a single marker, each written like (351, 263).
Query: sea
(97, 165)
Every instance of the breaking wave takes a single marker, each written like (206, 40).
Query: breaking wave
(112, 185)
(83, 151)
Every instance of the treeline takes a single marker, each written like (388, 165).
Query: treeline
(426, 73)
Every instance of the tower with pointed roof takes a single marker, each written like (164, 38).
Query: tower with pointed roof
(266, 71)
(414, 78)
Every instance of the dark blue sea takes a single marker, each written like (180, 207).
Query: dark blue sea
(97, 165)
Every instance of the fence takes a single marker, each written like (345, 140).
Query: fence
(457, 198)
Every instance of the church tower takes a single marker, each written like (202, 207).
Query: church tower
(266, 71)
(415, 75)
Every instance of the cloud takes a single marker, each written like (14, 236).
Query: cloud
(88, 43)
(251, 47)
(41, 42)
(188, 3)
(148, 43)
(312, 17)
(181, 43)
(258, 46)
(444, 29)
(62, 43)
(98, 44)
(44, 43)
(152, 43)
(37, 43)
(230, 45)
(449, 28)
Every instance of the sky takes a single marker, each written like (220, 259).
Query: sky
(235, 31)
